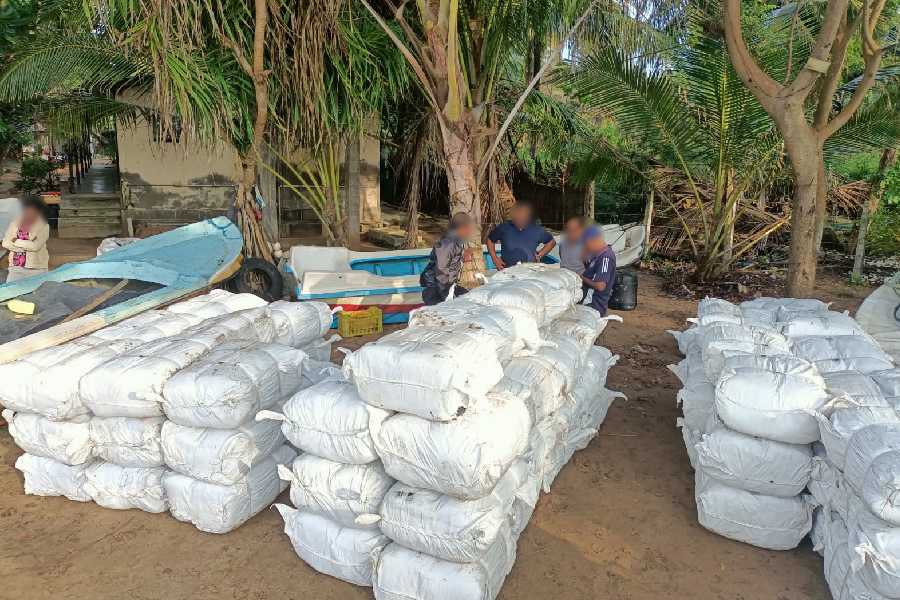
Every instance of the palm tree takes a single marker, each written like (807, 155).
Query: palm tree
(701, 142)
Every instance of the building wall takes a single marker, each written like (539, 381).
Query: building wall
(171, 184)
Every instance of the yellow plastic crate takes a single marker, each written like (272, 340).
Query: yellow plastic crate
(360, 322)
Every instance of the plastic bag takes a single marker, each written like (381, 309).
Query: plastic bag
(131, 384)
(464, 458)
(128, 442)
(221, 508)
(329, 420)
(47, 477)
(435, 373)
(67, 442)
(404, 574)
(456, 530)
(343, 493)
(221, 456)
(148, 326)
(344, 552)
(217, 303)
(300, 323)
(755, 519)
(122, 488)
(843, 353)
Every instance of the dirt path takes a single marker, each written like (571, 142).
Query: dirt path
(620, 522)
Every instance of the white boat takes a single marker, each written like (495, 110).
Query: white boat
(879, 316)
(389, 280)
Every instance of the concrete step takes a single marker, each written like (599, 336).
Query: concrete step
(72, 198)
(88, 231)
(111, 212)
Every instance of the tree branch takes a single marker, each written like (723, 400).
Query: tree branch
(790, 58)
(763, 87)
(835, 17)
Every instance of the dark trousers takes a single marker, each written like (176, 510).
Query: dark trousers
(432, 295)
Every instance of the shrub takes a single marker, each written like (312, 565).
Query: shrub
(884, 231)
(34, 175)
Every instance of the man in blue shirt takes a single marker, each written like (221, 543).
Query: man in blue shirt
(600, 275)
(519, 239)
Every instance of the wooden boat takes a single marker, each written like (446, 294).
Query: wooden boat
(389, 280)
(170, 265)
(879, 316)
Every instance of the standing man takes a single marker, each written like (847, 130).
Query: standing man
(600, 275)
(446, 261)
(519, 239)
(571, 248)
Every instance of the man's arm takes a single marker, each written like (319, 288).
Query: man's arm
(492, 250)
(547, 247)
(38, 241)
(9, 239)
(597, 285)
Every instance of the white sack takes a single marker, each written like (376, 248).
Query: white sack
(582, 323)
(753, 463)
(698, 404)
(435, 373)
(128, 442)
(567, 355)
(404, 574)
(131, 384)
(786, 308)
(217, 303)
(47, 477)
(148, 326)
(46, 381)
(689, 341)
(300, 323)
(889, 382)
(845, 418)
(769, 398)
(231, 384)
(221, 456)
(755, 519)
(843, 353)
(512, 328)
(318, 372)
(554, 275)
(122, 488)
(690, 370)
(221, 508)
(67, 442)
(716, 306)
(341, 492)
(721, 340)
(252, 325)
(329, 420)
(875, 550)
(872, 468)
(450, 529)
(828, 486)
(859, 387)
(691, 439)
(837, 556)
(537, 382)
(332, 548)
(464, 458)
(825, 324)
(320, 348)
(529, 295)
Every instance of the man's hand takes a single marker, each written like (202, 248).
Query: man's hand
(498, 262)
(468, 253)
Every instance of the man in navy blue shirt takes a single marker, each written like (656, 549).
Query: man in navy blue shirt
(519, 239)
(600, 274)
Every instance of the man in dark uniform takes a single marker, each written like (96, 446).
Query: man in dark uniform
(600, 274)
(446, 261)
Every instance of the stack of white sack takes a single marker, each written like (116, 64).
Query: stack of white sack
(448, 409)
(749, 421)
(338, 482)
(223, 462)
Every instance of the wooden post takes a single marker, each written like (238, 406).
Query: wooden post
(860, 253)
(76, 158)
(588, 210)
(71, 168)
(648, 216)
(761, 205)
(353, 197)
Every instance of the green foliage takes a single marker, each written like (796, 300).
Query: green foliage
(34, 174)
(858, 280)
(884, 231)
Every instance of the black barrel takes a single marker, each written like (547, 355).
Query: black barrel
(624, 294)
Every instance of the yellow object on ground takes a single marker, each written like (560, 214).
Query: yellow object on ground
(360, 322)
(21, 307)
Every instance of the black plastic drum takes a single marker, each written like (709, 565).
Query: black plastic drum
(624, 294)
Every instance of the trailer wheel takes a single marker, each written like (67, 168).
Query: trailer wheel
(260, 277)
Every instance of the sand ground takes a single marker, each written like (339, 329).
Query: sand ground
(620, 522)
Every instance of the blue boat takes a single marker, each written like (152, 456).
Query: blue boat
(173, 264)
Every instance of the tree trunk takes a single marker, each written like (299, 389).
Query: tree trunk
(461, 170)
(804, 249)
(352, 191)
(413, 186)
